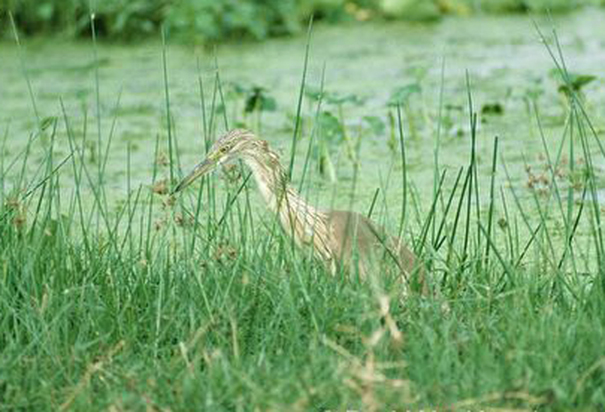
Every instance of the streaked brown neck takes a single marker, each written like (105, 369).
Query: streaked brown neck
(270, 176)
(296, 216)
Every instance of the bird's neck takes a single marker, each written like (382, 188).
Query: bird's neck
(272, 180)
(295, 214)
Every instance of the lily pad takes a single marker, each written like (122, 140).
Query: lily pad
(334, 97)
(576, 81)
(492, 109)
(332, 129)
(401, 95)
(376, 125)
(258, 99)
(46, 122)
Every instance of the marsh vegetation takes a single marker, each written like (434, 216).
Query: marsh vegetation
(485, 152)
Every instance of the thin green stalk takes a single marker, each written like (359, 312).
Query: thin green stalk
(95, 190)
(220, 90)
(526, 221)
(77, 174)
(73, 203)
(104, 156)
(25, 73)
(231, 200)
(241, 168)
(128, 192)
(205, 131)
(211, 186)
(167, 108)
(132, 208)
(507, 270)
(300, 100)
(437, 146)
(490, 213)
(543, 215)
(48, 163)
(2, 171)
(376, 192)
(148, 235)
(553, 166)
(313, 130)
(404, 175)
(506, 225)
(93, 32)
(574, 227)
(471, 180)
(159, 307)
(454, 229)
(431, 216)
(437, 243)
(207, 144)
(596, 206)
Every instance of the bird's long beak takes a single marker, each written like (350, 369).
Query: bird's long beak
(201, 169)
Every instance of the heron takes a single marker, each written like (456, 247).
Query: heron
(341, 239)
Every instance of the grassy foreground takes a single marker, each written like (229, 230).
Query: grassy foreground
(196, 304)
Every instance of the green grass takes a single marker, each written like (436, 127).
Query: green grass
(196, 303)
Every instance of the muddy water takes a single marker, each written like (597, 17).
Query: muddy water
(506, 64)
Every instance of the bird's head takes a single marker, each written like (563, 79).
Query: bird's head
(231, 145)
